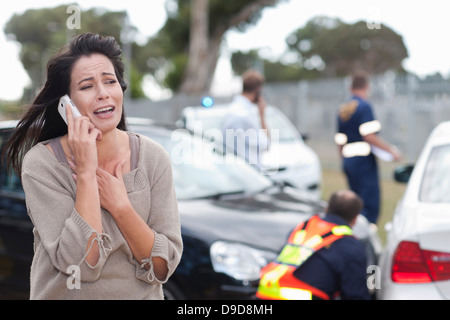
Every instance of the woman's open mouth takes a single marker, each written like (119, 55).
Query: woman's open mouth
(105, 111)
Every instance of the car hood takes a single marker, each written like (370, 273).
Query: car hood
(289, 153)
(263, 220)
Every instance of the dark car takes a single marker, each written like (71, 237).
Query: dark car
(233, 220)
(16, 237)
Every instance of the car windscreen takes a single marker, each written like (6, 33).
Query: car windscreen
(206, 120)
(200, 172)
(287, 131)
(435, 185)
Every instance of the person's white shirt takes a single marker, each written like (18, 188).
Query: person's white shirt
(242, 131)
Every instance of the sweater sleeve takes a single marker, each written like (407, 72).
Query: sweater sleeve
(164, 221)
(62, 232)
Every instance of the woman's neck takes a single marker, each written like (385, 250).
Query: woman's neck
(111, 149)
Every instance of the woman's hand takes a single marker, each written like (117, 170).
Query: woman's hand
(82, 137)
(112, 190)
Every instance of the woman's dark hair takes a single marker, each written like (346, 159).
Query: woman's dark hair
(42, 120)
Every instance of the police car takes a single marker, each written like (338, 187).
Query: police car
(289, 160)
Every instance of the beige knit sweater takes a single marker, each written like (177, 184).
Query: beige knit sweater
(59, 269)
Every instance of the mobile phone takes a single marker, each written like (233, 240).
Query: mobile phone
(65, 102)
(257, 97)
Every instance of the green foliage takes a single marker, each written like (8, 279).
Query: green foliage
(221, 12)
(169, 48)
(175, 75)
(343, 47)
(242, 61)
(41, 32)
(328, 47)
(280, 72)
(274, 71)
(135, 83)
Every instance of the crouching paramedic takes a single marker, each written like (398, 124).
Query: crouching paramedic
(321, 260)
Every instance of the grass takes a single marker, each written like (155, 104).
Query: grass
(391, 192)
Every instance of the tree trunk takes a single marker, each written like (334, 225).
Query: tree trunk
(195, 79)
(204, 49)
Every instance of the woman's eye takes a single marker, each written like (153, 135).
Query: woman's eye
(85, 87)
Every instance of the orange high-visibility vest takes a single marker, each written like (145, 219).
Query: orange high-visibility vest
(277, 280)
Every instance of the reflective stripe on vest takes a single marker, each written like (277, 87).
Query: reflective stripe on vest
(277, 279)
(352, 149)
(270, 287)
(358, 148)
(309, 237)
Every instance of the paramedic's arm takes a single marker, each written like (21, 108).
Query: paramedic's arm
(375, 140)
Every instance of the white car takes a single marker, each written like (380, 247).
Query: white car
(415, 263)
(289, 160)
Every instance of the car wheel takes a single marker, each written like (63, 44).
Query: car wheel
(172, 292)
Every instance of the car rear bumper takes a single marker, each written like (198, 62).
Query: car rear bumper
(413, 291)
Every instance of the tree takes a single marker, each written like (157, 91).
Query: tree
(176, 60)
(196, 78)
(335, 48)
(328, 47)
(281, 70)
(41, 32)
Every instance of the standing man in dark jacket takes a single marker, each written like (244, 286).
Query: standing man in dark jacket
(359, 142)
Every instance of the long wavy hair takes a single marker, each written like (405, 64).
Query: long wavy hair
(42, 120)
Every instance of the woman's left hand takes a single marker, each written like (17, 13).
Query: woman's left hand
(112, 190)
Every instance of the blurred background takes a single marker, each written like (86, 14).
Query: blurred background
(178, 51)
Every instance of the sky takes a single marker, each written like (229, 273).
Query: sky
(423, 26)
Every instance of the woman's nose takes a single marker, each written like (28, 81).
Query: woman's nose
(102, 93)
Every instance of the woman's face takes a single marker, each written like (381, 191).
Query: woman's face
(96, 92)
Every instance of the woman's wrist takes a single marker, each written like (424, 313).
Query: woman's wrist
(121, 210)
(86, 176)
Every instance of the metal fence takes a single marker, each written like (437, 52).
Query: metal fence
(408, 108)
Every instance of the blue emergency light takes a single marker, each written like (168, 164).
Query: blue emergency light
(207, 102)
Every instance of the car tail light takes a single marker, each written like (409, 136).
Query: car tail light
(438, 264)
(411, 264)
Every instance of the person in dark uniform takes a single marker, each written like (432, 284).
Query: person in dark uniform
(359, 142)
(321, 260)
